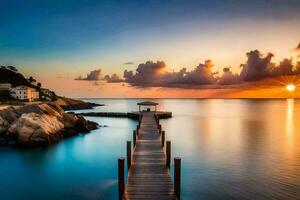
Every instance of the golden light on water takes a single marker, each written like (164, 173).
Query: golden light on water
(289, 126)
(290, 87)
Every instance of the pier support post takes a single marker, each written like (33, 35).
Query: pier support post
(128, 154)
(140, 119)
(134, 138)
(163, 135)
(156, 119)
(168, 152)
(121, 182)
(177, 176)
(137, 129)
(159, 128)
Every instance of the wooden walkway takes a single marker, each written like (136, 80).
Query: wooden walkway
(148, 176)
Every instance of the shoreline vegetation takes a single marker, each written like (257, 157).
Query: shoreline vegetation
(44, 123)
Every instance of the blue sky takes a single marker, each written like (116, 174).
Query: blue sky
(43, 26)
(68, 38)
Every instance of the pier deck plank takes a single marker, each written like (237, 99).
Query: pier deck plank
(148, 176)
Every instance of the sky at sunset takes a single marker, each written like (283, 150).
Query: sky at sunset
(155, 48)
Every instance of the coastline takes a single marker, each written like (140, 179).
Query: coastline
(43, 124)
(74, 104)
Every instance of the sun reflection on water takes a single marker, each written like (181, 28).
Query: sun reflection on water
(289, 125)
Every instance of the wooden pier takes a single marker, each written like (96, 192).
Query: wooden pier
(131, 115)
(148, 164)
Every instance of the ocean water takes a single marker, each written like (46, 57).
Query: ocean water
(230, 149)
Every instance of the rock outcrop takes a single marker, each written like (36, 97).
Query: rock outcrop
(34, 129)
(73, 104)
(4, 125)
(39, 125)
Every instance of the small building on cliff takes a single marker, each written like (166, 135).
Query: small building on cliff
(24, 93)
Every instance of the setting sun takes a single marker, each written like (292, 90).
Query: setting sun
(290, 87)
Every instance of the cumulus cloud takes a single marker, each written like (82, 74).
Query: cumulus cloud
(154, 74)
(146, 73)
(228, 78)
(257, 66)
(94, 75)
(285, 67)
(113, 79)
(201, 75)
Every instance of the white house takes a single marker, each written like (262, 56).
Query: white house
(24, 93)
(5, 86)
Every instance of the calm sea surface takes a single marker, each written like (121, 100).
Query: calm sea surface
(230, 149)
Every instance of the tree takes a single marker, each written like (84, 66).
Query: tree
(31, 79)
(54, 96)
(12, 68)
(4, 95)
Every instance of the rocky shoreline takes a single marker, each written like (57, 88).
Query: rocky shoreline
(40, 125)
(73, 104)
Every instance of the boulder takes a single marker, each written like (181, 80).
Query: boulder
(9, 114)
(69, 120)
(34, 129)
(84, 126)
(4, 125)
(40, 125)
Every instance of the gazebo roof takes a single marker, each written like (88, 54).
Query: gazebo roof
(147, 103)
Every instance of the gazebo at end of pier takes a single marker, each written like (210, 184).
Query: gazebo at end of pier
(147, 104)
